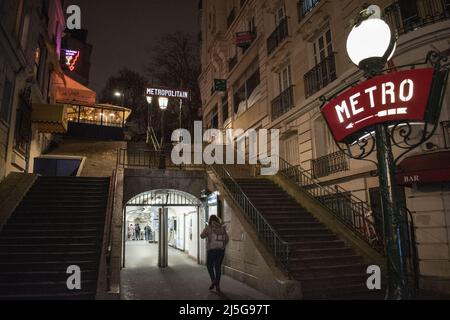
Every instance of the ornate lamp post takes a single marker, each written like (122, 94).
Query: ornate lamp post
(163, 103)
(380, 111)
(370, 45)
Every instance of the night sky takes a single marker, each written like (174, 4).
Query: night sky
(124, 31)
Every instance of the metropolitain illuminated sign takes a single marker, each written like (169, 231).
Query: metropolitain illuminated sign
(71, 58)
(168, 93)
(399, 96)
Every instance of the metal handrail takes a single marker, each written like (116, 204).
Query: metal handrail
(357, 221)
(104, 268)
(272, 239)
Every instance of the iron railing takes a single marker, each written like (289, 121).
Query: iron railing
(104, 272)
(231, 17)
(355, 213)
(268, 235)
(411, 15)
(278, 35)
(304, 7)
(283, 103)
(329, 164)
(161, 159)
(320, 76)
(446, 133)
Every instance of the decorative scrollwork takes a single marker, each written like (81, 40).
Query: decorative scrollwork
(437, 60)
(361, 149)
(408, 136)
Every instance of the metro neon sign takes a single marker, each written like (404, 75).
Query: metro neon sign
(387, 98)
(72, 57)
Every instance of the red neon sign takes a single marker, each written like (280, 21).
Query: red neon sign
(72, 57)
(392, 97)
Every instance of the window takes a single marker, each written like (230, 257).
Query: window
(323, 47)
(212, 118)
(22, 134)
(5, 108)
(284, 79)
(324, 71)
(245, 94)
(280, 14)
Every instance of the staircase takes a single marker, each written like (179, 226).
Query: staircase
(59, 223)
(325, 266)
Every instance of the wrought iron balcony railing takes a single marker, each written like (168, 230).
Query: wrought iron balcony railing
(329, 164)
(411, 15)
(231, 17)
(278, 35)
(304, 7)
(283, 103)
(320, 76)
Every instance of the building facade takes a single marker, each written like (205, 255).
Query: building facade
(279, 57)
(30, 42)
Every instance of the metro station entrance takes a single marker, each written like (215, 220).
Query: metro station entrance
(161, 221)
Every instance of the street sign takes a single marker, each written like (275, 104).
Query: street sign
(168, 93)
(400, 96)
(220, 85)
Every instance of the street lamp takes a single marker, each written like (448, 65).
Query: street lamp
(119, 94)
(163, 103)
(370, 45)
(149, 116)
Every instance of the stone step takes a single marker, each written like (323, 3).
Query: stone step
(75, 239)
(49, 287)
(51, 248)
(37, 256)
(45, 266)
(306, 262)
(334, 270)
(43, 276)
(26, 232)
(312, 253)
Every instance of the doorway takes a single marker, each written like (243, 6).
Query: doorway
(161, 223)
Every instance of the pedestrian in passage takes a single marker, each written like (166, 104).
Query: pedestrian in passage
(137, 232)
(216, 241)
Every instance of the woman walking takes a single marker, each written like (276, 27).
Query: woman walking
(216, 240)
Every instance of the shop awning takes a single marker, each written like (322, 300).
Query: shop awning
(74, 93)
(425, 168)
(50, 118)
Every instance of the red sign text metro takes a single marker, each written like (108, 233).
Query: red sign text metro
(392, 97)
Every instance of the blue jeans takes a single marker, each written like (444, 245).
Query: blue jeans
(214, 261)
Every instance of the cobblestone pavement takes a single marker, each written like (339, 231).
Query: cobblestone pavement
(184, 279)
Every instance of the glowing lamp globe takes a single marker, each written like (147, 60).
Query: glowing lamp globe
(163, 103)
(371, 44)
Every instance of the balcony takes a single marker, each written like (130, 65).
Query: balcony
(278, 35)
(231, 17)
(332, 163)
(416, 14)
(283, 103)
(320, 76)
(232, 63)
(446, 133)
(304, 7)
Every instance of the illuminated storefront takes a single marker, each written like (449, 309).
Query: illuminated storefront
(101, 115)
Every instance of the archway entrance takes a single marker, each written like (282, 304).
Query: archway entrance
(161, 221)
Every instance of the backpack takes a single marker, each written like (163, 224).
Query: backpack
(216, 241)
